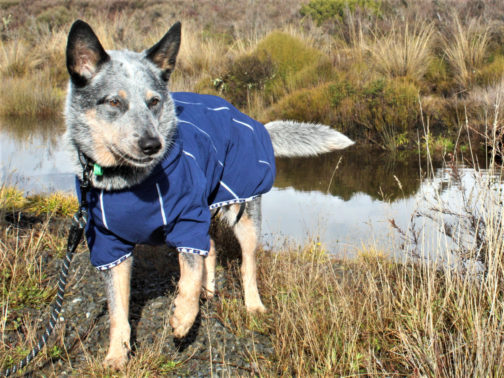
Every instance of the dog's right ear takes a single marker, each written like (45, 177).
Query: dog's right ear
(84, 53)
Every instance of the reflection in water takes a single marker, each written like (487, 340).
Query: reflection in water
(33, 156)
(345, 199)
(343, 174)
(365, 198)
(25, 131)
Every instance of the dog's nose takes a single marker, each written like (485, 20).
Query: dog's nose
(149, 145)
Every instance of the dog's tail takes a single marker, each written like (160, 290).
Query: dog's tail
(291, 138)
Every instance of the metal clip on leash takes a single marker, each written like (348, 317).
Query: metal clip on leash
(74, 237)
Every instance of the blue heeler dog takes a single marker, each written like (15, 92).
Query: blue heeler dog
(168, 160)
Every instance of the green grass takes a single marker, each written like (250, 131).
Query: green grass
(59, 204)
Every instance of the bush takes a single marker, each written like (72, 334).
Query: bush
(281, 63)
(324, 10)
(437, 78)
(289, 56)
(310, 105)
(491, 73)
(248, 73)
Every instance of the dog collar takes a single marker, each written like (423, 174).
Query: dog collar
(90, 165)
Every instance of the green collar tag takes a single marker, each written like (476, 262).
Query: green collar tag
(97, 170)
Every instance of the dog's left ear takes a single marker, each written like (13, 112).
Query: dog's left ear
(164, 53)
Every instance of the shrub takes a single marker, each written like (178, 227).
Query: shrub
(437, 78)
(389, 103)
(313, 75)
(310, 105)
(281, 63)
(492, 72)
(248, 73)
(324, 10)
(289, 56)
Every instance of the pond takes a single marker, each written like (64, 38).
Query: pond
(344, 200)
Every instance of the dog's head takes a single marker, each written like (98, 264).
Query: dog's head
(119, 111)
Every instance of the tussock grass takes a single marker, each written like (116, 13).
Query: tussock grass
(33, 98)
(258, 56)
(466, 48)
(327, 317)
(403, 50)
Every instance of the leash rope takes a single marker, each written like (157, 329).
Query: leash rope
(79, 221)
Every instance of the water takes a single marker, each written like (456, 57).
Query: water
(345, 200)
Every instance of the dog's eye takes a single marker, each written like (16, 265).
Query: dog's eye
(153, 102)
(114, 102)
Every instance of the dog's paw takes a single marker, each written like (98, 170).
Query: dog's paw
(183, 319)
(256, 308)
(115, 361)
(180, 326)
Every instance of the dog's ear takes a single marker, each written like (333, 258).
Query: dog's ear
(164, 53)
(84, 53)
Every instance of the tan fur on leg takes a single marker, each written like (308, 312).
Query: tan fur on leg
(118, 293)
(189, 290)
(245, 232)
(209, 272)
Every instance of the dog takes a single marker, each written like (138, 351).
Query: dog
(164, 163)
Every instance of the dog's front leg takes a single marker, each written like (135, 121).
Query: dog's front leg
(189, 290)
(118, 293)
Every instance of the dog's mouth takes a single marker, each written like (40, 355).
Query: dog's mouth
(131, 160)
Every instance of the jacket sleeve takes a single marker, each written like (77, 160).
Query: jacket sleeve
(190, 232)
(107, 250)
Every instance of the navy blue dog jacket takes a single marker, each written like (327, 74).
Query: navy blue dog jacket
(219, 157)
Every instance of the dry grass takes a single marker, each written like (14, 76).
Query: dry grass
(402, 51)
(369, 315)
(376, 317)
(466, 48)
(402, 42)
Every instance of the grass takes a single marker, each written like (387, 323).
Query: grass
(404, 51)
(59, 204)
(466, 49)
(359, 69)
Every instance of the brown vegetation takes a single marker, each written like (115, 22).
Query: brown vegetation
(316, 60)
